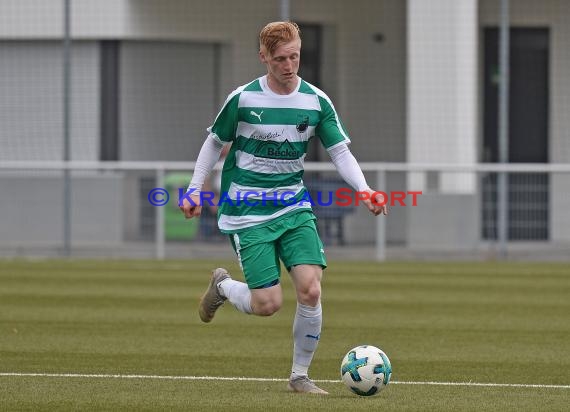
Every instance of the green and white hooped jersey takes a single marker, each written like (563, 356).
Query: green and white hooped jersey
(262, 177)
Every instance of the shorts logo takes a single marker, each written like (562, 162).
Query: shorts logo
(302, 123)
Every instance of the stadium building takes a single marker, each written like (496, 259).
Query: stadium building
(416, 83)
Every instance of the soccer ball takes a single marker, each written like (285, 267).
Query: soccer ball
(366, 370)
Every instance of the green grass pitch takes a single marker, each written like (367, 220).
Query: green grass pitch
(501, 323)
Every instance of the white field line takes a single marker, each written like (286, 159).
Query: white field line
(239, 378)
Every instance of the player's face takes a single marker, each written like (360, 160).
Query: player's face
(282, 66)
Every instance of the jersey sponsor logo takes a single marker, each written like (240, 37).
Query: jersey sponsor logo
(256, 115)
(277, 150)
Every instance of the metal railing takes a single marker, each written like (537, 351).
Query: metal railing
(380, 170)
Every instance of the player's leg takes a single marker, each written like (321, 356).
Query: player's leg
(306, 326)
(307, 282)
(264, 300)
(261, 293)
(302, 252)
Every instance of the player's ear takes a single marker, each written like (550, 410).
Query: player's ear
(264, 54)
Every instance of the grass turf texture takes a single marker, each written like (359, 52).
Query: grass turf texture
(449, 322)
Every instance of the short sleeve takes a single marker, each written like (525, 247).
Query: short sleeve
(225, 124)
(330, 129)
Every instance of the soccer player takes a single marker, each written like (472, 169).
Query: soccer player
(269, 122)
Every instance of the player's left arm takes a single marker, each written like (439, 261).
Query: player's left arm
(335, 139)
(350, 171)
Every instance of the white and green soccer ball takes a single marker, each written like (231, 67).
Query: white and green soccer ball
(366, 370)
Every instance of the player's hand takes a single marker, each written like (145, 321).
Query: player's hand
(376, 203)
(191, 210)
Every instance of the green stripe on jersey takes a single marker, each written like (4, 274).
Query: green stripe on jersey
(254, 86)
(263, 207)
(305, 88)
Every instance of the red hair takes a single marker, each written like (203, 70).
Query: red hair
(277, 33)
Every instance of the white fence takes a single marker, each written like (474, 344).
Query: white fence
(107, 212)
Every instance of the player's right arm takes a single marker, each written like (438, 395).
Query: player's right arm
(221, 132)
(209, 155)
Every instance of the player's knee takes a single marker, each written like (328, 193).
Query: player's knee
(311, 295)
(266, 301)
(267, 308)
(266, 304)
